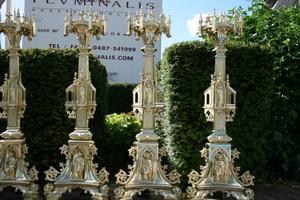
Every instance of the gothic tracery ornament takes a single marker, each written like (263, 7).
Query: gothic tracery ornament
(219, 173)
(79, 171)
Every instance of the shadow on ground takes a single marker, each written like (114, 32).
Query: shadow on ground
(278, 191)
(9, 193)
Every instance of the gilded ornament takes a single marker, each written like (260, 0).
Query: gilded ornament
(51, 174)
(10, 165)
(33, 173)
(147, 173)
(79, 171)
(219, 173)
(147, 166)
(13, 168)
(174, 177)
(78, 165)
(103, 176)
(121, 177)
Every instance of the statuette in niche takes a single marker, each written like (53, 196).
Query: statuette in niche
(219, 95)
(148, 93)
(78, 165)
(220, 168)
(81, 94)
(10, 165)
(12, 94)
(147, 166)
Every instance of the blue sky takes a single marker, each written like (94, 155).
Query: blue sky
(183, 14)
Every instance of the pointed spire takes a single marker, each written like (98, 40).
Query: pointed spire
(227, 80)
(5, 77)
(75, 76)
(18, 15)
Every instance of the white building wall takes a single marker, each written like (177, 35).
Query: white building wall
(119, 53)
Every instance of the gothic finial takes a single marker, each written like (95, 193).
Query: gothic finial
(219, 77)
(75, 75)
(8, 17)
(82, 15)
(5, 76)
(212, 78)
(227, 79)
(18, 15)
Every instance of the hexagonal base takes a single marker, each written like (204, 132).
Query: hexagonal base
(78, 172)
(13, 169)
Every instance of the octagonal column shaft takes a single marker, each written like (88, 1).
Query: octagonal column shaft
(79, 170)
(220, 111)
(14, 113)
(219, 173)
(83, 63)
(82, 119)
(13, 168)
(147, 173)
(148, 88)
(12, 91)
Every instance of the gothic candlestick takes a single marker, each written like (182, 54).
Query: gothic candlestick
(149, 29)
(219, 174)
(147, 172)
(79, 170)
(13, 168)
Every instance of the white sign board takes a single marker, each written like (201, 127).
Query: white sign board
(118, 52)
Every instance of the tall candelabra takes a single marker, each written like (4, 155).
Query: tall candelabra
(219, 173)
(13, 149)
(79, 170)
(147, 173)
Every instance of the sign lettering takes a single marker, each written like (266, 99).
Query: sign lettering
(118, 52)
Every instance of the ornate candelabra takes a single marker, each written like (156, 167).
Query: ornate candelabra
(147, 173)
(79, 170)
(13, 149)
(219, 173)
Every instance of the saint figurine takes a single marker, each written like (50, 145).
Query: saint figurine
(10, 165)
(12, 95)
(147, 166)
(220, 95)
(78, 165)
(81, 94)
(220, 168)
(148, 93)
(150, 38)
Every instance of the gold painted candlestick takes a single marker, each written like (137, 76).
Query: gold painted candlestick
(79, 171)
(219, 173)
(147, 173)
(13, 149)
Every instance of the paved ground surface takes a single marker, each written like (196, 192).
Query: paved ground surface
(278, 191)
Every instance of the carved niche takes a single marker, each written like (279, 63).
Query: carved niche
(220, 167)
(147, 169)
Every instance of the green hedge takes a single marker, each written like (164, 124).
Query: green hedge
(186, 69)
(280, 30)
(119, 135)
(119, 97)
(45, 75)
